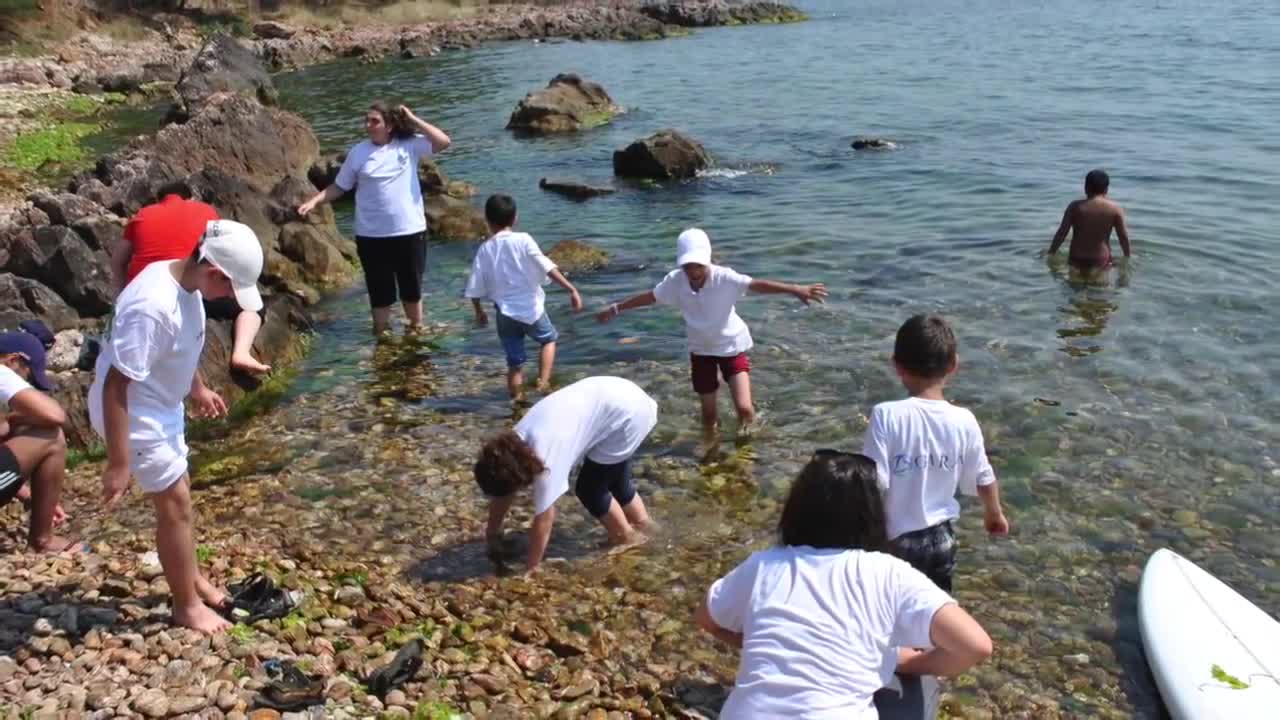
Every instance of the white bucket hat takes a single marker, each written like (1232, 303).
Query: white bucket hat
(234, 249)
(693, 246)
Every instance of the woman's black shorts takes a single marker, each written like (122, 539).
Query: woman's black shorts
(391, 264)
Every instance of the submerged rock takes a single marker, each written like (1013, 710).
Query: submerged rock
(873, 143)
(450, 218)
(575, 257)
(665, 155)
(568, 104)
(574, 189)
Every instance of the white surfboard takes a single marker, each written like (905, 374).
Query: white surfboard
(1193, 623)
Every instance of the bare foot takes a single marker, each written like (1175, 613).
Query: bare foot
(212, 596)
(544, 385)
(59, 515)
(630, 540)
(248, 364)
(24, 496)
(415, 331)
(56, 544)
(201, 618)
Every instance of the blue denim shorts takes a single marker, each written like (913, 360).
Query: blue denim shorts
(513, 332)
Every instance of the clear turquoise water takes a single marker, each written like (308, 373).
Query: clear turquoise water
(1111, 408)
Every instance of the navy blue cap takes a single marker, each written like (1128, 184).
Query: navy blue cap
(29, 347)
(40, 330)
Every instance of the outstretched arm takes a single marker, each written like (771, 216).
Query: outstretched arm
(439, 140)
(959, 643)
(644, 299)
(327, 195)
(498, 508)
(540, 536)
(806, 294)
(1122, 232)
(575, 300)
(1063, 228)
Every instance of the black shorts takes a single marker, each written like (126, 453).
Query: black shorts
(598, 485)
(932, 551)
(391, 264)
(10, 475)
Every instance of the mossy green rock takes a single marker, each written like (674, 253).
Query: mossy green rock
(568, 104)
(575, 257)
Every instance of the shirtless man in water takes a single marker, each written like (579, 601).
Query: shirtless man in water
(1091, 221)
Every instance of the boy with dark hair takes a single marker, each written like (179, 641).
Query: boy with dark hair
(707, 295)
(925, 449)
(509, 270)
(1090, 222)
(146, 370)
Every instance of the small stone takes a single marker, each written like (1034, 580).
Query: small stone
(264, 714)
(187, 704)
(1185, 518)
(227, 700)
(151, 703)
(396, 712)
(396, 697)
(349, 595)
(492, 684)
(1079, 660)
(42, 628)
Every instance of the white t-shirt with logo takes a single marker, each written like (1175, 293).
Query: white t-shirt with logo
(388, 195)
(821, 628)
(602, 418)
(711, 321)
(924, 451)
(11, 383)
(156, 339)
(510, 269)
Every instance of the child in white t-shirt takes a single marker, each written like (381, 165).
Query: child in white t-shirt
(707, 295)
(925, 449)
(509, 270)
(32, 445)
(599, 420)
(146, 369)
(820, 617)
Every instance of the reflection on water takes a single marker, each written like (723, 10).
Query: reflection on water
(1091, 297)
(1121, 417)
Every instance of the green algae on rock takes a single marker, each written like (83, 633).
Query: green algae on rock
(575, 257)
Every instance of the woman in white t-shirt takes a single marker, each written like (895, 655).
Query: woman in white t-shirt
(391, 224)
(821, 616)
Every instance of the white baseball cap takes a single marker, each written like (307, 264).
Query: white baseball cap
(693, 246)
(234, 249)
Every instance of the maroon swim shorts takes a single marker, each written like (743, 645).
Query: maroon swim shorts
(703, 369)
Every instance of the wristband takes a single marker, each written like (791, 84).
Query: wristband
(616, 311)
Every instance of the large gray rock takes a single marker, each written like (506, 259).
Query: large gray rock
(313, 248)
(63, 208)
(73, 270)
(449, 218)
(272, 30)
(567, 104)
(23, 299)
(225, 65)
(665, 155)
(574, 189)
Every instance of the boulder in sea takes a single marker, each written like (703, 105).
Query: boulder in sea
(665, 155)
(225, 65)
(567, 104)
(872, 143)
(449, 218)
(574, 189)
(575, 257)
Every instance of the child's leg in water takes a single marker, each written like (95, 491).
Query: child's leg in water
(740, 390)
(710, 414)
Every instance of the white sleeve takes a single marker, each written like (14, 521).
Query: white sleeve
(136, 341)
(667, 290)
(915, 601)
(347, 174)
(540, 265)
(977, 470)
(729, 598)
(875, 445)
(477, 284)
(11, 383)
(740, 283)
(420, 147)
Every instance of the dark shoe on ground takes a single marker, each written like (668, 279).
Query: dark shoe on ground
(397, 672)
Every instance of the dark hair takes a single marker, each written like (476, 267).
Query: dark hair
(500, 210)
(395, 120)
(1096, 183)
(925, 347)
(506, 464)
(835, 503)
